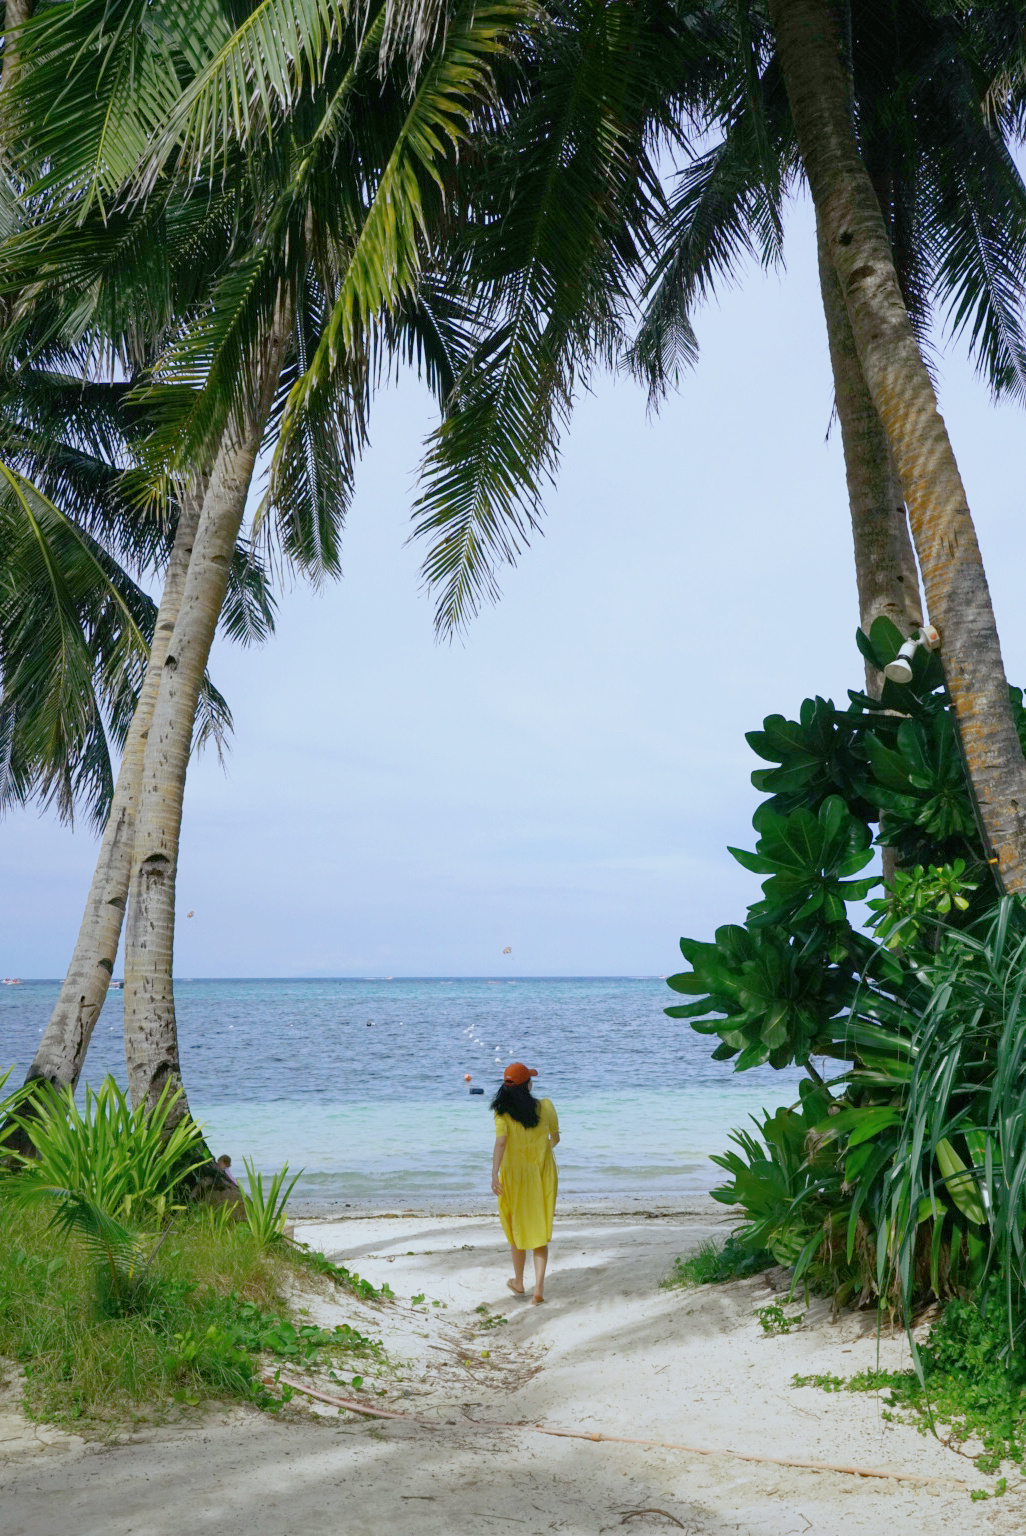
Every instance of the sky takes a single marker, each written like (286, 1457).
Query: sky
(564, 778)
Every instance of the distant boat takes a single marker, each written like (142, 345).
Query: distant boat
(12, 981)
(119, 986)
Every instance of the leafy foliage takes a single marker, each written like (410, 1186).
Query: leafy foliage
(714, 1265)
(807, 859)
(210, 1317)
(261, 1333)
(560, 206)
(265, 1209)
(791, 983)
(920, 897)
(126, 1164)
(74, 632)
(925, 85)
(769, 994)
(9, 1105)
(339, 1275)
(904, 1177)
(968, 1383)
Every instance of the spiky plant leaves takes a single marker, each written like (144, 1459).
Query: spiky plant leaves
(265, 1209)
(126, 1162)
(11, 1102)
(963, 1141)
(111, 1175)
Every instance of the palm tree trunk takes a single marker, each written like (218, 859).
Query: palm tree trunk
(151, 1036)
(885, 564)
(65, 1041)
(16, 14)
(954, 581)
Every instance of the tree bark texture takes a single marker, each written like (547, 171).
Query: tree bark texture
(885, 563)
(809, 50)
(151, 1036)
(65, 1041)
(16, 14)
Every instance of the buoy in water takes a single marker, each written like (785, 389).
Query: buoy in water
(477, 1090)
(466, 1077)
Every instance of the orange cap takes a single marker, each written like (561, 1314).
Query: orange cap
(516, 1074)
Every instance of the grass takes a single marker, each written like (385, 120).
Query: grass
(969, 1385)
(212, 1311)
(712, 1265)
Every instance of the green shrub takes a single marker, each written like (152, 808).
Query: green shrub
(338, 1274)
(713, 1265)
(128, 1163)
(904, 1177)
(213, 1307)
(9, 1105)
(969, 1383)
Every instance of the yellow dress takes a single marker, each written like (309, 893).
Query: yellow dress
(528, 1177)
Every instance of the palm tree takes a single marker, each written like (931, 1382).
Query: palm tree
(956, 219)
(812, 64)
(94, 300)
(543, 234)
(345, 251)
(325, 261)
(81, 643)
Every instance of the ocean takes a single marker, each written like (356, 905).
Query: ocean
(360, 1083)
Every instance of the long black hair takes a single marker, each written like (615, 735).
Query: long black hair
(517, 1101)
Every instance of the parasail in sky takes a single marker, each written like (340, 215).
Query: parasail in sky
(508, 950)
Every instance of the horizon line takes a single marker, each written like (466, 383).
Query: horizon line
(452, 976)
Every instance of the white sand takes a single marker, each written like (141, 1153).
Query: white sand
(610, 1351)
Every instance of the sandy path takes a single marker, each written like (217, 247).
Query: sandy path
(610, 1351)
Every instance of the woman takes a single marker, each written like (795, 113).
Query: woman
(524, 1173)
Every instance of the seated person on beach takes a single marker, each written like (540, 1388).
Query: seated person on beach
(224, 1162)
(524, 1173)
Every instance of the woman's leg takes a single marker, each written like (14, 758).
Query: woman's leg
(519, 1256)
(541, 1258)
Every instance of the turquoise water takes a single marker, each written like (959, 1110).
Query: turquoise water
(361, 1083)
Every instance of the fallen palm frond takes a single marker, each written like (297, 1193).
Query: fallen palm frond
(593, 1434)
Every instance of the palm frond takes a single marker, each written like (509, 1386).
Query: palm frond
(74, 635)
(244, 78)
(725, 209)
(213, 723)
(384, 262)
(249, 606)
(974, 231)
(97, 78)
(554, 251)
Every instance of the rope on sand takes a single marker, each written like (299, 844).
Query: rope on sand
(593, 1434)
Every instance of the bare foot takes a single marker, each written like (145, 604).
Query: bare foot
(537, 1301)
(511, 1285)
